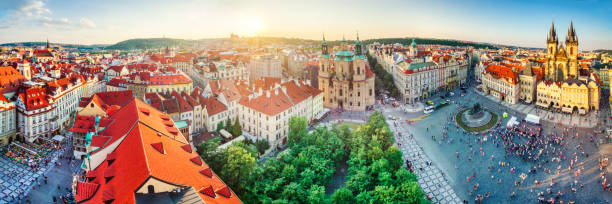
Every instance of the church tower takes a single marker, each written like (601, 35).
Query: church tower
(358, 61)
(552, 44)
(571, 44)
(358, 47)
(324, 60)
(24, 69)
(413, 48)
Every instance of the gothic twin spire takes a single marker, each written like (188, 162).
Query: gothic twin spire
(571, 34)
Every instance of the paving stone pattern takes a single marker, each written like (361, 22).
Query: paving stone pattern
(429, 176)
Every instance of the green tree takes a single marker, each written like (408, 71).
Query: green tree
(343, 195)
(297, 129)
(289, 172)
(237, 128)
(384, 194)
(262, 145)
(316, 194)
(228, 125)
(220, 126)
(293, 192)
(394, 156)
(239, 164)
(364, 197)
(211, 155)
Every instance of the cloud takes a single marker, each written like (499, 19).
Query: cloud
(34, 12)
(85, 22)
(33, 8)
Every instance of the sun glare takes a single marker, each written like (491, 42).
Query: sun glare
(251, 25)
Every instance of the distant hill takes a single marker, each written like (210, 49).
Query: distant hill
(604, 51)
(156, 43)
(407, 41)
(30, 44)
(150, 43)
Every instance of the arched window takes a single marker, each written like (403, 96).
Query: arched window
(150, 189)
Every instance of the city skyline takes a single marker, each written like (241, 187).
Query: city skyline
(518, 23)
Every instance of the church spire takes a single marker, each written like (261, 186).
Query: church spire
(552, 35)
(324, 42)
(571, 33)
(324, 48)
(48, 44)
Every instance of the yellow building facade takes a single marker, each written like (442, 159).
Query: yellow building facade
(565, 86)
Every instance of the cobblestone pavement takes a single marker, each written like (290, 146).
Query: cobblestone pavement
(451, 157)
(16, 180)
(430, 178)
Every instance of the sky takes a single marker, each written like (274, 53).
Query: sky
(516, 22)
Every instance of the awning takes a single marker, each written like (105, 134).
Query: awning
(512, 122)
(532, 119)
(58, 138)
(321, 114)
(225, 134)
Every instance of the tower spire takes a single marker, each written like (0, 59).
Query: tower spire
(48, 43)
(571, 33)
(552, 35)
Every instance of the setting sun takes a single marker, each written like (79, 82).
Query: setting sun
(250, 25)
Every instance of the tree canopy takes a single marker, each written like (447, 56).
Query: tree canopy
(301, 174)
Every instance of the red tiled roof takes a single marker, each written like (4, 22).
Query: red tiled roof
(170, 106)
(34, 98)
(369, 72)
(225, 87)
(169, 79)
(108, 98)
(213, 106)
(225, 192)
(85, 190)
(296, 93)
(182, 103)
(117, 68)
(272, 105)
(10, 79)
(207, 172)
(266, 83)
(117, 82)
(42, 53)
(137, 160)
(187, 148)
(83, 124)
(502, 71)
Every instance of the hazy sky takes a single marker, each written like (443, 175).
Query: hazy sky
(516, 22)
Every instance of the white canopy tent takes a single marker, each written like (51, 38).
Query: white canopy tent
(512, 122)
(58, 138)
(532, 119)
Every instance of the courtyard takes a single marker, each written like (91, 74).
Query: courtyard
(453, 165)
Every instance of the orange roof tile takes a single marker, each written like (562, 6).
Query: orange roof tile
(138, 158)
(502, 71)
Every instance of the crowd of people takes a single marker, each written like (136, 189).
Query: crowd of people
(31, 155)
(36, 156)
(559, 152)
